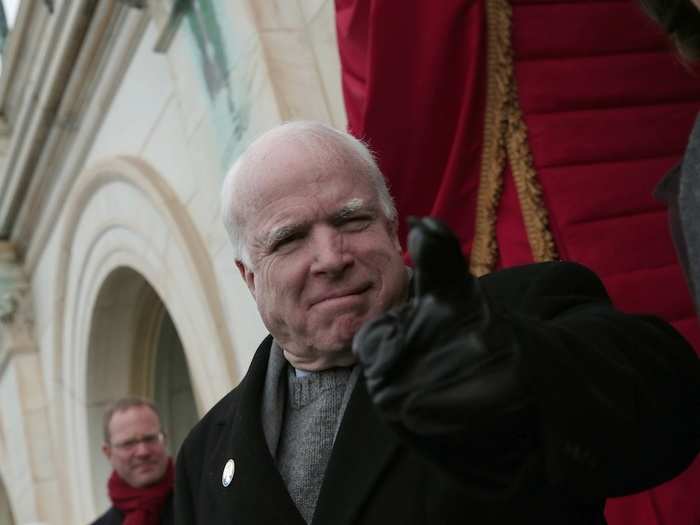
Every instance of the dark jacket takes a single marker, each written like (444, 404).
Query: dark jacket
(617, 400)
(116, 517)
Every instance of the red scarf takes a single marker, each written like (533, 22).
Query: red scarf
(141, 506)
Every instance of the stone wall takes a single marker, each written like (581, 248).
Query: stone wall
(110, 213)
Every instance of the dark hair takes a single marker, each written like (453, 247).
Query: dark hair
(681, 20)
(123, 404)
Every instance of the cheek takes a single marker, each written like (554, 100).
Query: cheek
(279, 287)
(394, 278)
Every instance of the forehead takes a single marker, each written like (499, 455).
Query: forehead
(282, 170)
(133, 420)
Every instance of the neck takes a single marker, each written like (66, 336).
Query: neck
(319, 362)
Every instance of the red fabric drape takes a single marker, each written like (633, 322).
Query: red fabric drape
(608, 110)
(413, 81)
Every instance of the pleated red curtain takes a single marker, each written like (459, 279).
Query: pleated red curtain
(605, 110)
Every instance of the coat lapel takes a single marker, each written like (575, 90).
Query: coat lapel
(362, 451)
(257, 493)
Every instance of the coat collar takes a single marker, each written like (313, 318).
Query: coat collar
(257, 494)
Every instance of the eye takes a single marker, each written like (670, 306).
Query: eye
(286, 242)
(355, 222)
(150, 439)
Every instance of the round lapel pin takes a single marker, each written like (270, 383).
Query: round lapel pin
(227, 476)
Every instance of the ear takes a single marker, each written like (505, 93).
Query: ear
(247, 275)
(107, 451)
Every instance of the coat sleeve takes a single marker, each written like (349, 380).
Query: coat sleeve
(569, 392)
(617, 395)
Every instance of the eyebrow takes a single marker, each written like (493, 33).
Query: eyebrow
(351, 207)
(279, 234)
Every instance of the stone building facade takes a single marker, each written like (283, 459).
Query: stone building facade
(118, 121)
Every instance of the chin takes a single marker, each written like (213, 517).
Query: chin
(325, 355)
(150, 480)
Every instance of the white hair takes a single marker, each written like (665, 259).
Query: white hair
(328, 143)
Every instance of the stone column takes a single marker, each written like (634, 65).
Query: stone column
(25, 442)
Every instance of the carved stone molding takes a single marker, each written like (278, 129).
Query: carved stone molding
(16, 311)
(167, 15)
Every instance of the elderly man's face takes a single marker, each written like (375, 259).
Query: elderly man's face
(324, 257)
(136, 447)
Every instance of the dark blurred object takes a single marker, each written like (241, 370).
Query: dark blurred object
(669, 192)
(681, 20)
(679, 189)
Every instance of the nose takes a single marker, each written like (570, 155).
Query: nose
(142, 449)
(331, 255)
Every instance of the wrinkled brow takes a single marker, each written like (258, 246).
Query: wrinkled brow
(269, 240)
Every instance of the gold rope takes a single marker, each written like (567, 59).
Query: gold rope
(528, 187)
(484, 254)
(505, 133)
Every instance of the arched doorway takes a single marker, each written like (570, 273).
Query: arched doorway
(130, 253)
(134, 349)
(172, 385)
(5, 510)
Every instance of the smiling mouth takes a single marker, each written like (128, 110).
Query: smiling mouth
(145, 466)
(350, 294)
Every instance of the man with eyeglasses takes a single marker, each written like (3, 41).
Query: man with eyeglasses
(141, 484)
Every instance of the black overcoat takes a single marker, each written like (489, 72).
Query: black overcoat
(617, 400)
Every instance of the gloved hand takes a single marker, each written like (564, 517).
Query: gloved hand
(444, 364)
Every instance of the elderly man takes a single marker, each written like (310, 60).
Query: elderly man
(141, 484)
(521, 397)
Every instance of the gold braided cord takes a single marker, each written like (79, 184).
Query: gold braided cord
(528, 187)
(484, 254)
(505, 133)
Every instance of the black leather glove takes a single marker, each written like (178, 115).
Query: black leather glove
(443, 368)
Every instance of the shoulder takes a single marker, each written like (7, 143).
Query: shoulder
(208, 435)
(207, 430)
(219, 413)
(557, 278)
(167, 517)
(111, 517)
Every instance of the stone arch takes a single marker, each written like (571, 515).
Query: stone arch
(134, 349)
(121, 216)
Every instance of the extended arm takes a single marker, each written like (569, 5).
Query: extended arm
(531, 373)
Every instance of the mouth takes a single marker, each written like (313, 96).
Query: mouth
(141, 467)
(338, 296)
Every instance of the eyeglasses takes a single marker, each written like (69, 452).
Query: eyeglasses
(150, 440)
